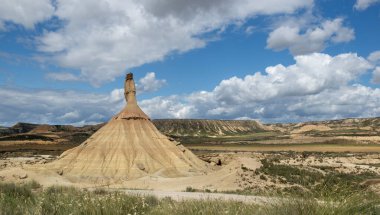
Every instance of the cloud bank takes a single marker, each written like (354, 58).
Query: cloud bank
(102, 40)
(317, 86)
(57, 107)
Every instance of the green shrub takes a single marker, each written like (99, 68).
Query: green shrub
(33, 184)
(263, 177)
(190, 189)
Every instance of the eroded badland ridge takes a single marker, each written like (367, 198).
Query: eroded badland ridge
(199, 132)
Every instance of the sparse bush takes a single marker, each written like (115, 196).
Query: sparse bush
(276, 160)
(33, 184)
(282, 180)
(244, 168)
(100, 191)
(263, 177)
(306, 154)
(190, 189)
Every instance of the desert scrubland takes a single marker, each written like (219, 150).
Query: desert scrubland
(329, 167)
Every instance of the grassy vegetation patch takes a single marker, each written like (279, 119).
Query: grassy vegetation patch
(30, 199)
(23, 199)
(291, 174)
(327, 183)
(342, 132)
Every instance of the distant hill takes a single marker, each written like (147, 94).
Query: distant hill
(364, 130)
(201, 127)
(326, 125)
(22, 127)
(174, 127)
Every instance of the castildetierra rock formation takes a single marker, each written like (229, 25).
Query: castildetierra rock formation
(129, 146)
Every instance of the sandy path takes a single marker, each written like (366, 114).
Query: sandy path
(180, 196)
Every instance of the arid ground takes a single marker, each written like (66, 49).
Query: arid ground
(247, 158)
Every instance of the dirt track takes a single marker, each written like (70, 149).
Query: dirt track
(181, 196)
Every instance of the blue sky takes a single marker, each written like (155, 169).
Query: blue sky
(63, 62)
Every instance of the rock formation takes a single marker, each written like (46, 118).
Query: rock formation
(129, 146)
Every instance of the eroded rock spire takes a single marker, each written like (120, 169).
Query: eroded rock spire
(130, 89)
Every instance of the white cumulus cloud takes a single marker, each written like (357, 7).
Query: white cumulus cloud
(167, 107)
(364, 4)
(25, 12)
(303, 38)
(149, 83)
(374, 57)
